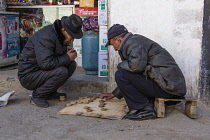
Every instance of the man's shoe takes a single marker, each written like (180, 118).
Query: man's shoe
(40, 102)
(140, 117)
(148, 108)
(142, 114)
(56, 95)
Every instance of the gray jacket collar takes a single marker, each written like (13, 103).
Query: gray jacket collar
(127, 36)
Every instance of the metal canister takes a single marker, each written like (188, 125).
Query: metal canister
(90, 43)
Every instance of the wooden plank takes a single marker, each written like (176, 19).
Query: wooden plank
(191, 109)
(160, 108)
(175, 99)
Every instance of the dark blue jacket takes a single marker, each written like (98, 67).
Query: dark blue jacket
(44, 51)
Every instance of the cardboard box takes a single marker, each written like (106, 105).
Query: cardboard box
(79, 51)
(79, 61)
(77, 45)
(76, 2)
(79, 55)
(103, 38)
(86, 12)
(102, 64)
(86, 3)
(102, 12)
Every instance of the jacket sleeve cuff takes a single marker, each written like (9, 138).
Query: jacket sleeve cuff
(67, 59)
(117, 93)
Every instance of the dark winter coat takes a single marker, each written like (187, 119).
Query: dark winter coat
(142, 55)
(44, 51)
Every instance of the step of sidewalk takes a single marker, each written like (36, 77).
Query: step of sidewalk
(79, 82)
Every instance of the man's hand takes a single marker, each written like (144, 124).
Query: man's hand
(72, 54)
(107, 96)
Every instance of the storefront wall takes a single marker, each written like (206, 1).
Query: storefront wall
(175, 24)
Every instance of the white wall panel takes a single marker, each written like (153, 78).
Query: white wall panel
(175, 24)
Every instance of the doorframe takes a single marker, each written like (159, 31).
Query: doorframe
(204, 95)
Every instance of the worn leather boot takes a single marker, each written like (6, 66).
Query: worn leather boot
(142, 114)
(40, 102)
(56, 95)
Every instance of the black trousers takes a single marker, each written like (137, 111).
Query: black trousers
(137, 89)
(44, 83)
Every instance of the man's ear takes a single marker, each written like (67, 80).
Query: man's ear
(119, 39)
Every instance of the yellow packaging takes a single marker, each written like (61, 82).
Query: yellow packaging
(86, 3)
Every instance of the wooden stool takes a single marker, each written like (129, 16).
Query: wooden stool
(190, 107)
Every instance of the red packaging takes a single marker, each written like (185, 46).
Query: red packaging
(51, 2)
(86, 12)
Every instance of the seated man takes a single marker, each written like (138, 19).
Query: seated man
(147, 71)
(45, 62)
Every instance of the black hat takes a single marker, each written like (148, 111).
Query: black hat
(72, 25)
(114, 31)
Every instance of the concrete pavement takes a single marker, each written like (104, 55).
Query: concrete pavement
(22, 121)
(79, 82)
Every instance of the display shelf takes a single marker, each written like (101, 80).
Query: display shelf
(41, 6)
(35, 17)
(7, 13)
(45, 6)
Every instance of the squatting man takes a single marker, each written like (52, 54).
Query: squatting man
(46, 63)
(147, 71)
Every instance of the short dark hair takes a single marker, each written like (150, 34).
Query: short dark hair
(122, 35)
